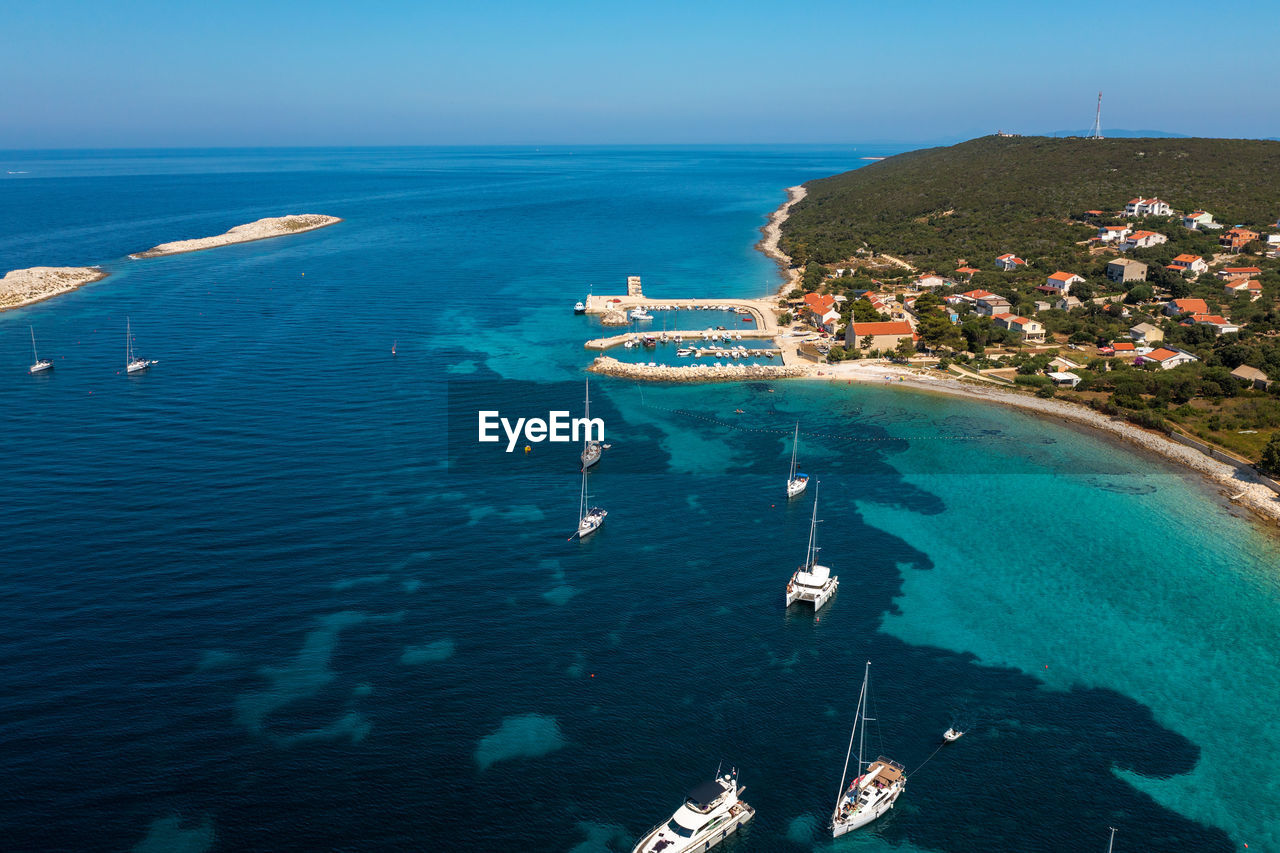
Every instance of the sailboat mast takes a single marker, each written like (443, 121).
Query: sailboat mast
(862, 738)
(586, 415)
(845, 773)
(795, 445)
(1112, 842)
(811, 556)
(35, 355)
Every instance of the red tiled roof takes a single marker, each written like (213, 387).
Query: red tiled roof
(1242, 270)
(1213, 319)
(1063, 276)
(1123, 346)
(1195, 306)
(978, 294)
(1161, 354)
(890, 328)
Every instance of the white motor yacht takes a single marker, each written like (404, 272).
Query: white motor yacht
(579, 307)
(640, 314)
(876, 784)
(812, 583)
(710, 814)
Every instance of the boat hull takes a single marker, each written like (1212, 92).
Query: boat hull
(864, 817)
(704, 841)
(796, 486)
(40, 367)
(797, 594)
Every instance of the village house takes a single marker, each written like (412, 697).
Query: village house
(1114, 233)
(1060, 282)
(1142, 240)
(1220, 324)
(1147, 207)
(822, 311)
(1041, 305)
(1176, 307)
(1228, 273)
(884, 337)
(1064, 378)
(1066, 303)
(930, 280)
(967, 272)
(1032, 332)
(1010, 262)
(1243, 285)
(1253, 376)
(1166, 358)
(1060, 363)
(1237, 238)
(1145, 333)
(1198, 220)
(1122, 348)
(990, 305)
(1188, 265)
(1124, 269)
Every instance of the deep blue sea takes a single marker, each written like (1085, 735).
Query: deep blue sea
(274, 596)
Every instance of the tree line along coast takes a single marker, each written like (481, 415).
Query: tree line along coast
(1139, 277)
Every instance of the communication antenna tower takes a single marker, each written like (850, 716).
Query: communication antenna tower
(1097, 120)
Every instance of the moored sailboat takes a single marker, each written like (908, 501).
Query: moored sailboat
(796, 481)
(811, 582)
(589, 518)
(132, 363)
(876, 784)
(39, 365)
(591, 449)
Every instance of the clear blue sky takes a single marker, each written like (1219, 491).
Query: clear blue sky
(113, 74)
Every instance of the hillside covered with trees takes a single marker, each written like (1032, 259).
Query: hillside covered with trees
(992, 195)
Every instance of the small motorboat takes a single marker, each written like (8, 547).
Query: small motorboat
(579, 307)
(952, 735)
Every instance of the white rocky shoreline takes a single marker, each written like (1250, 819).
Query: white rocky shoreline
(262, 229)
(33, 284)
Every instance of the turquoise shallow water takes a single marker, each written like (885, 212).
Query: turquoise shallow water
(274, 596)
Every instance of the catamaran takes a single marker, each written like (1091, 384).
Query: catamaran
(133, 364)
(591, 449)
(876, 784)
(589, 519)
(811, 582)
(710, 814)
(40, 364)
(796, 481)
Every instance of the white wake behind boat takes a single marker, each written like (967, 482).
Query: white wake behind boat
(876, 784)
(710, 814)
(132, 363)
(39, 365)
(812, 583)
(796, 482)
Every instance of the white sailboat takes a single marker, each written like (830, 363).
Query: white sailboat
(132, 364)
(589, 519)
(591, 449)
(796, 481)
(710, 814)
(876, 784)
(39, 364)
(811, 582)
